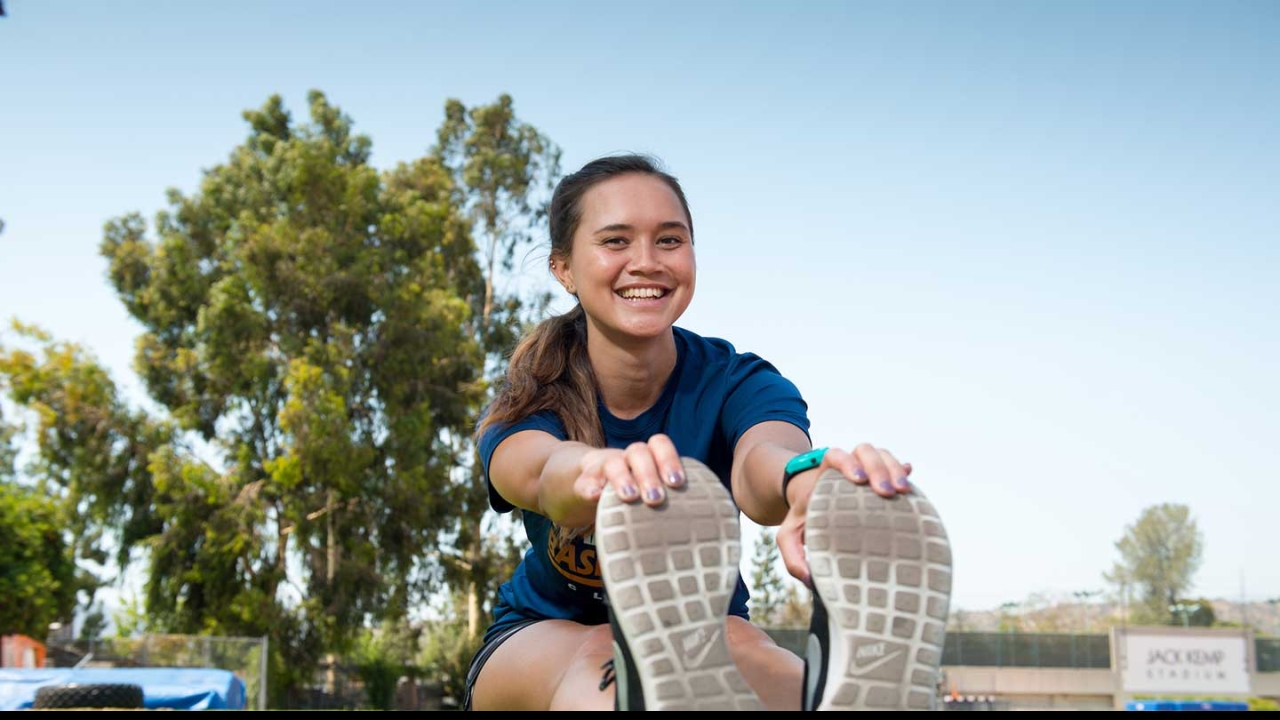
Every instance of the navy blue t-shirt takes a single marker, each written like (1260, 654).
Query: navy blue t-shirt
(713, 396)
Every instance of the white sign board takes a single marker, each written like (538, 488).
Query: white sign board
(1185, 664)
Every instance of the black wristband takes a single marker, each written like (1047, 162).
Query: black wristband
(786, 480)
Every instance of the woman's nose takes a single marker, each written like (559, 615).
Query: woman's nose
(644, 257)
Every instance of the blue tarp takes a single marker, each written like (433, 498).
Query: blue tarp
(1184, 705)
(176, 688)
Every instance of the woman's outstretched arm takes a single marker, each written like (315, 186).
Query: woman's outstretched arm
(562, 479)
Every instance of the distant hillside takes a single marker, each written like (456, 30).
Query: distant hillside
(1056, 615)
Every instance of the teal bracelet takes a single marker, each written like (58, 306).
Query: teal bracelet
(797, 465)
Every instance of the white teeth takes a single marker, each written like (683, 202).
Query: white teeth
(638, 293)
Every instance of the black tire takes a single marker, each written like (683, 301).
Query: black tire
(89, 696)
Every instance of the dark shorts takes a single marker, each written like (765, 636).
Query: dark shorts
(482, 655)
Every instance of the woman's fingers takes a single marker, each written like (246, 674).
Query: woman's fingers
(667, 459)
(589, 484)
(644, 470)
(878, 469)
(847, 464)
(591, 478)
(618, 473)
(897, 471)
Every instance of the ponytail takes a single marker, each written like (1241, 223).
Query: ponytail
(550, 370)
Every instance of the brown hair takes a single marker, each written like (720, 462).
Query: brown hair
(549, 369)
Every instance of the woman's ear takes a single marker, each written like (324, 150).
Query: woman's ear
(564, 275)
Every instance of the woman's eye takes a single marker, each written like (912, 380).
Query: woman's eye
(671, 241)
(614, 241)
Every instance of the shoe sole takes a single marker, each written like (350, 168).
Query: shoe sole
(670, 573)
(882, 568)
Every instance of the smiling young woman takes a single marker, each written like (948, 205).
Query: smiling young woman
(632, 445)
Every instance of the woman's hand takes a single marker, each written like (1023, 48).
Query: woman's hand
(641, 472)
(866, 465)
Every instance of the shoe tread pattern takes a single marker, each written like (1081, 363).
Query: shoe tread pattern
(882, 567)
(670, 573)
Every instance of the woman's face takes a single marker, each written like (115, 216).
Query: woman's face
(632, 266)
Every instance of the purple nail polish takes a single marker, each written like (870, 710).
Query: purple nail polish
(676, 478)
(860, 475)
(630, 491)
(654, 494)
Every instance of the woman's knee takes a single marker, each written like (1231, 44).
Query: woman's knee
(582, 685)
(545, 666)
(774, 672)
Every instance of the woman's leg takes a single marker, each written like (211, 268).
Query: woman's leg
(550, 665)
(774, 672)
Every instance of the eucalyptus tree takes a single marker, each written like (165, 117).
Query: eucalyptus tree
(305, 316)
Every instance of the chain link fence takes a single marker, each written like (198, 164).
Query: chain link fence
(245, 657)
(998, 649)
(1027, 650)
(1268, 650)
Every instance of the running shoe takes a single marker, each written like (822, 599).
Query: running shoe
(881, 576)
(669, 574)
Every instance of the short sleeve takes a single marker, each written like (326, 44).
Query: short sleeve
(546, 421)
(757, 392)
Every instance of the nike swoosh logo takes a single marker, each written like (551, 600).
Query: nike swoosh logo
(695, 661)
(858, 672)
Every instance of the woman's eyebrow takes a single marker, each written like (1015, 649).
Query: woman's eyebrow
(616, 227)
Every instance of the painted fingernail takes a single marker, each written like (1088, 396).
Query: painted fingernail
(676, 478)
(860, 475)
(884, 487)
(630, 491)
(654, 494)
(902, 484)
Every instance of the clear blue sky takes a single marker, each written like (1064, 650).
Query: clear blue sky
(1030, 247)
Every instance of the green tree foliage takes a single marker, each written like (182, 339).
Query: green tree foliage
(37, 567)
(1159, 555)
(95, 623)
(382, 657)
(9, 434)
(321, 335)
(777, 600)
(503, 171)
(447, 652)
(768, 591)
(91, 451)
(307, 317)
(1193, 613)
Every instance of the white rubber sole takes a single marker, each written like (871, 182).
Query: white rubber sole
(670, 573)
(882, 568)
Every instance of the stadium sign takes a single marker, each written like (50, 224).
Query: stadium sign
(1184, 663)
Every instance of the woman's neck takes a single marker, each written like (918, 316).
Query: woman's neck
(631, 376)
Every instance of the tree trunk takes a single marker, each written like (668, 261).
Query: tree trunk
(331, 560)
